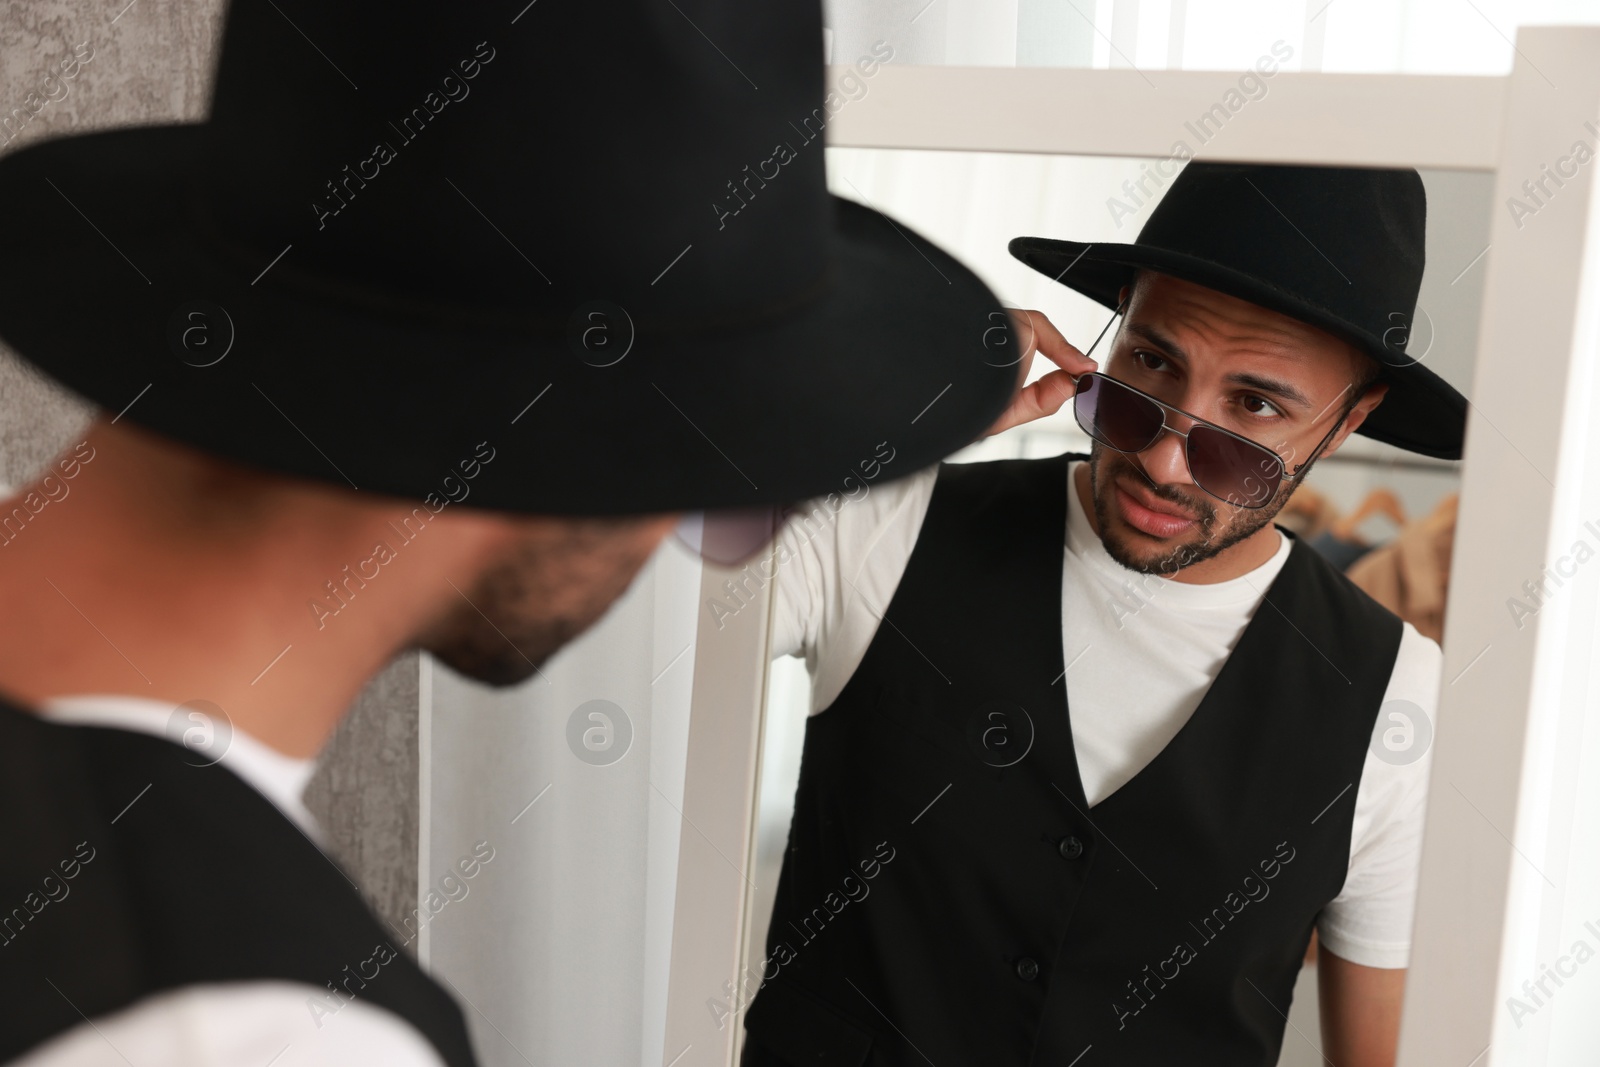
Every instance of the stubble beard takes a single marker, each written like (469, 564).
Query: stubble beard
(1215, 534)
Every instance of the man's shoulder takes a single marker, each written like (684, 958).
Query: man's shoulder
(1417, 669)
(866, 505)
(1356, 608)
(1021, 470)
(844, 518)
(966, 493)
(1400, 755)
(228, 1024)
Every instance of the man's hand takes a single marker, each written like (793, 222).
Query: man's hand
(1035, 333)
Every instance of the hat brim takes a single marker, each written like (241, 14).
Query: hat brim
(891, 361)
(1421, 412)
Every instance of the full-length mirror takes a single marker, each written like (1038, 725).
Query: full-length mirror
(1109, 739)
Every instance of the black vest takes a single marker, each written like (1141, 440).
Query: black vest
(125, 871)
(949, 896)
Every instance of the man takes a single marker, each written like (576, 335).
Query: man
(1092, 750)
(319, 331)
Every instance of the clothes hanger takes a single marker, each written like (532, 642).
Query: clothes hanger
(1379, 501)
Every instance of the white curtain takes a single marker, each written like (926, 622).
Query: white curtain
(559, 944)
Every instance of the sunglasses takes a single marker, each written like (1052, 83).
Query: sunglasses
(730, 537)
(1225, 465)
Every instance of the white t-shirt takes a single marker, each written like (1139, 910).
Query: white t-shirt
(1172, 636)
(237, 1024)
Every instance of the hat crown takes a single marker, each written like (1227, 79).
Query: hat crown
(443, 156)
(1340, 248)
(1348, 241)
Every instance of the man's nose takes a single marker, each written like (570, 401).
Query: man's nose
(1165, 461)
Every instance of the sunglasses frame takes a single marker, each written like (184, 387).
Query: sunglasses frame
(1167, 427)
(777, 515)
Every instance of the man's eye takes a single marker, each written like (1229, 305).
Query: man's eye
(1257, 405)
(1149, 360)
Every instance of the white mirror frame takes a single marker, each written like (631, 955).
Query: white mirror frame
(1531, 475)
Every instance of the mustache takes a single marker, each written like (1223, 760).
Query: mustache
(1202, 511)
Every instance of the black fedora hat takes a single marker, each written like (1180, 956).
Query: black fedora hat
(1340, 248)
(595, 237)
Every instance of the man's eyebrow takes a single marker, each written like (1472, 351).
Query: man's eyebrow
(1159, 339)
(1270, 386)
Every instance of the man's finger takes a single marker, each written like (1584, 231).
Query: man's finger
(1035, 333)
(1023, 330)
(1046, 395)
(1057, 348)
(1035, 401)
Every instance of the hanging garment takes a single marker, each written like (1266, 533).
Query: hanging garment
(1307, 514)
(1336, 550)
(1410, 575)
(191, 877)
(949, 897)
(1340, 544)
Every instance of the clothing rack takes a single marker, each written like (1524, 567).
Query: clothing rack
(1404, 463)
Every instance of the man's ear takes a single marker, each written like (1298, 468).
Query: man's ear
(1370, 399)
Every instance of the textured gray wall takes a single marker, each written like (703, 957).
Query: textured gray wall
(365, 791)
(152, 62)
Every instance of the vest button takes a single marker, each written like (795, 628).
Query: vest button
(1071, 848)
(1027, 969)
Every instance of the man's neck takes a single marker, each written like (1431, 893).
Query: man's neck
(129, 624)
(1232, 562)
(112, 590)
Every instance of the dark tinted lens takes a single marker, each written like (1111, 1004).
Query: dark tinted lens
(1114, 415)
(1243, 474)
(729, 536)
